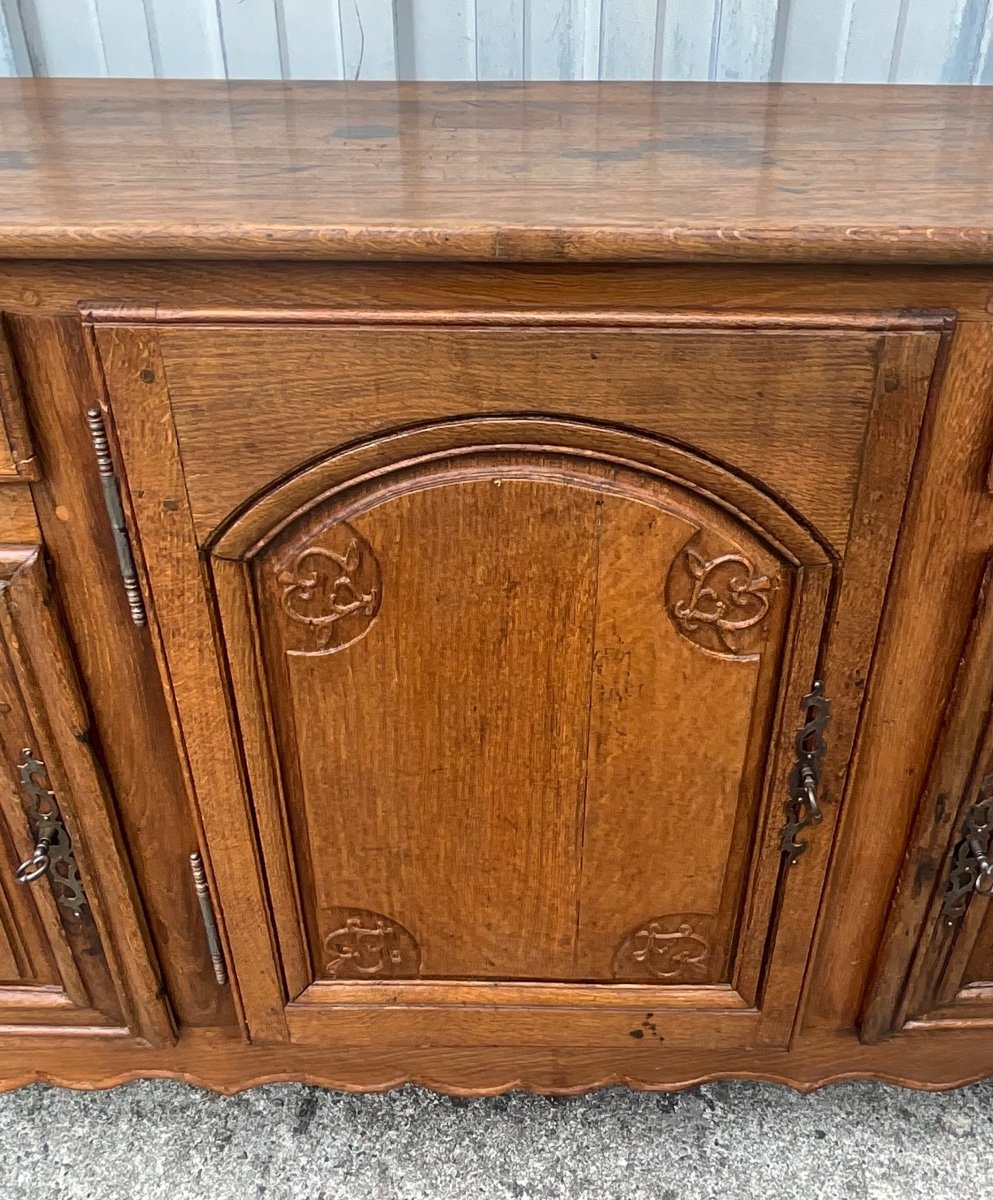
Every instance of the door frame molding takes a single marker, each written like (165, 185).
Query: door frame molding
(183, 624)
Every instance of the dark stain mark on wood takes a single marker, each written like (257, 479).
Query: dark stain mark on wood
(359, 133)
(606, 156)
(735, 151)
(924, 876)
(16, 160)
(647, 1028)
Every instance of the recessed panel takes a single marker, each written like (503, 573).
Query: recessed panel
(515, 708)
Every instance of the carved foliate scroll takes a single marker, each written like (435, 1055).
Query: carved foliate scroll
(330, 590)
(719, 601)
(668, 949)
(368, 945)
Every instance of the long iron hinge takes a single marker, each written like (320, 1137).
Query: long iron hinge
(803, 808)
(115, 511)
(971, 869)
(53, 855)
(209, 920)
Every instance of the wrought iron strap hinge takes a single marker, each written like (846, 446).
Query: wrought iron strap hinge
(209, 920)
(803, 807)
(53, 855)
(115, 511)
(971, 869)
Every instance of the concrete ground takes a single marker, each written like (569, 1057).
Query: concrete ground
(166, 1141)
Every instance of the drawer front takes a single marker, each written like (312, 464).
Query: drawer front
(493, 644)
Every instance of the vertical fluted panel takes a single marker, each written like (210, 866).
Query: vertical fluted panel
(919, 41)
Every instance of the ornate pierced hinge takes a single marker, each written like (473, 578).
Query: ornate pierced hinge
(802, 808)
(53, 854)
(209, 920)
(115, 511)
(972, 859)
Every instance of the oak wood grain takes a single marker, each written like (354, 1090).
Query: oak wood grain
(19, 462)
(366, 805)
(948, 535)
(906, 959)
(55, 703)
(116, 664)
(181, 622)
(37, 288)
(741, 295)
(500, 171)
(241, 394)
(930, 1060)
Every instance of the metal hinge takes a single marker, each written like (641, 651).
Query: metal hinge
(972, 859)
(115, 510)
(209, 920)
(802, 808)
(53, 854)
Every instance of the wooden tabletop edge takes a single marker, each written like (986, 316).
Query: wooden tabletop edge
(501, 243)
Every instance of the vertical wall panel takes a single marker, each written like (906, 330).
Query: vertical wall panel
(928, 40)
(186, 39)
(250, 39)
(963, 61)
(553, 39)
(499, 39)
(983, 72)
(918, 41)
(8, 63)
(592, 23)
(311, 39)
(746, 39)
(688, 38)
(14, 56)
(628, 31)
(368, 39)
(816, 39)
(127, 45)
(872, 35)
(64, 39)
(436, 39)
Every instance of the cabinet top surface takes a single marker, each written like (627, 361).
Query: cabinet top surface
(510, 172)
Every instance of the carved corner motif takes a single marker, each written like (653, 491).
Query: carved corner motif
(667, 949)
(718, 603)
(368, 945)
(330, 589)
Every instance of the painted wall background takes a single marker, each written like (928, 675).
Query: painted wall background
(904, 41)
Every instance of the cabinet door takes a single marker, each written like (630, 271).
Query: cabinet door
(72, 952)
(513, 654)
(936, 964)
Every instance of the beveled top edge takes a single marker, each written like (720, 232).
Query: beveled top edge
(552, 172)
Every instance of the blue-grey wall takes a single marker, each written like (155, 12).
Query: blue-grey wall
(912, 41)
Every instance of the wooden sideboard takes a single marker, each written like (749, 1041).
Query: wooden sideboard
(496, 584)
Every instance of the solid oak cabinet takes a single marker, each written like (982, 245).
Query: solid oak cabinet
(419, 665)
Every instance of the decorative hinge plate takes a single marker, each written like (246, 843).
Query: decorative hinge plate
(53, 855)
(802, 808)
(115, 511)
(972, 859)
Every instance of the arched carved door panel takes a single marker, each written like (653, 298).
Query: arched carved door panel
(519, 718)
(521, 704)
(495, 720)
